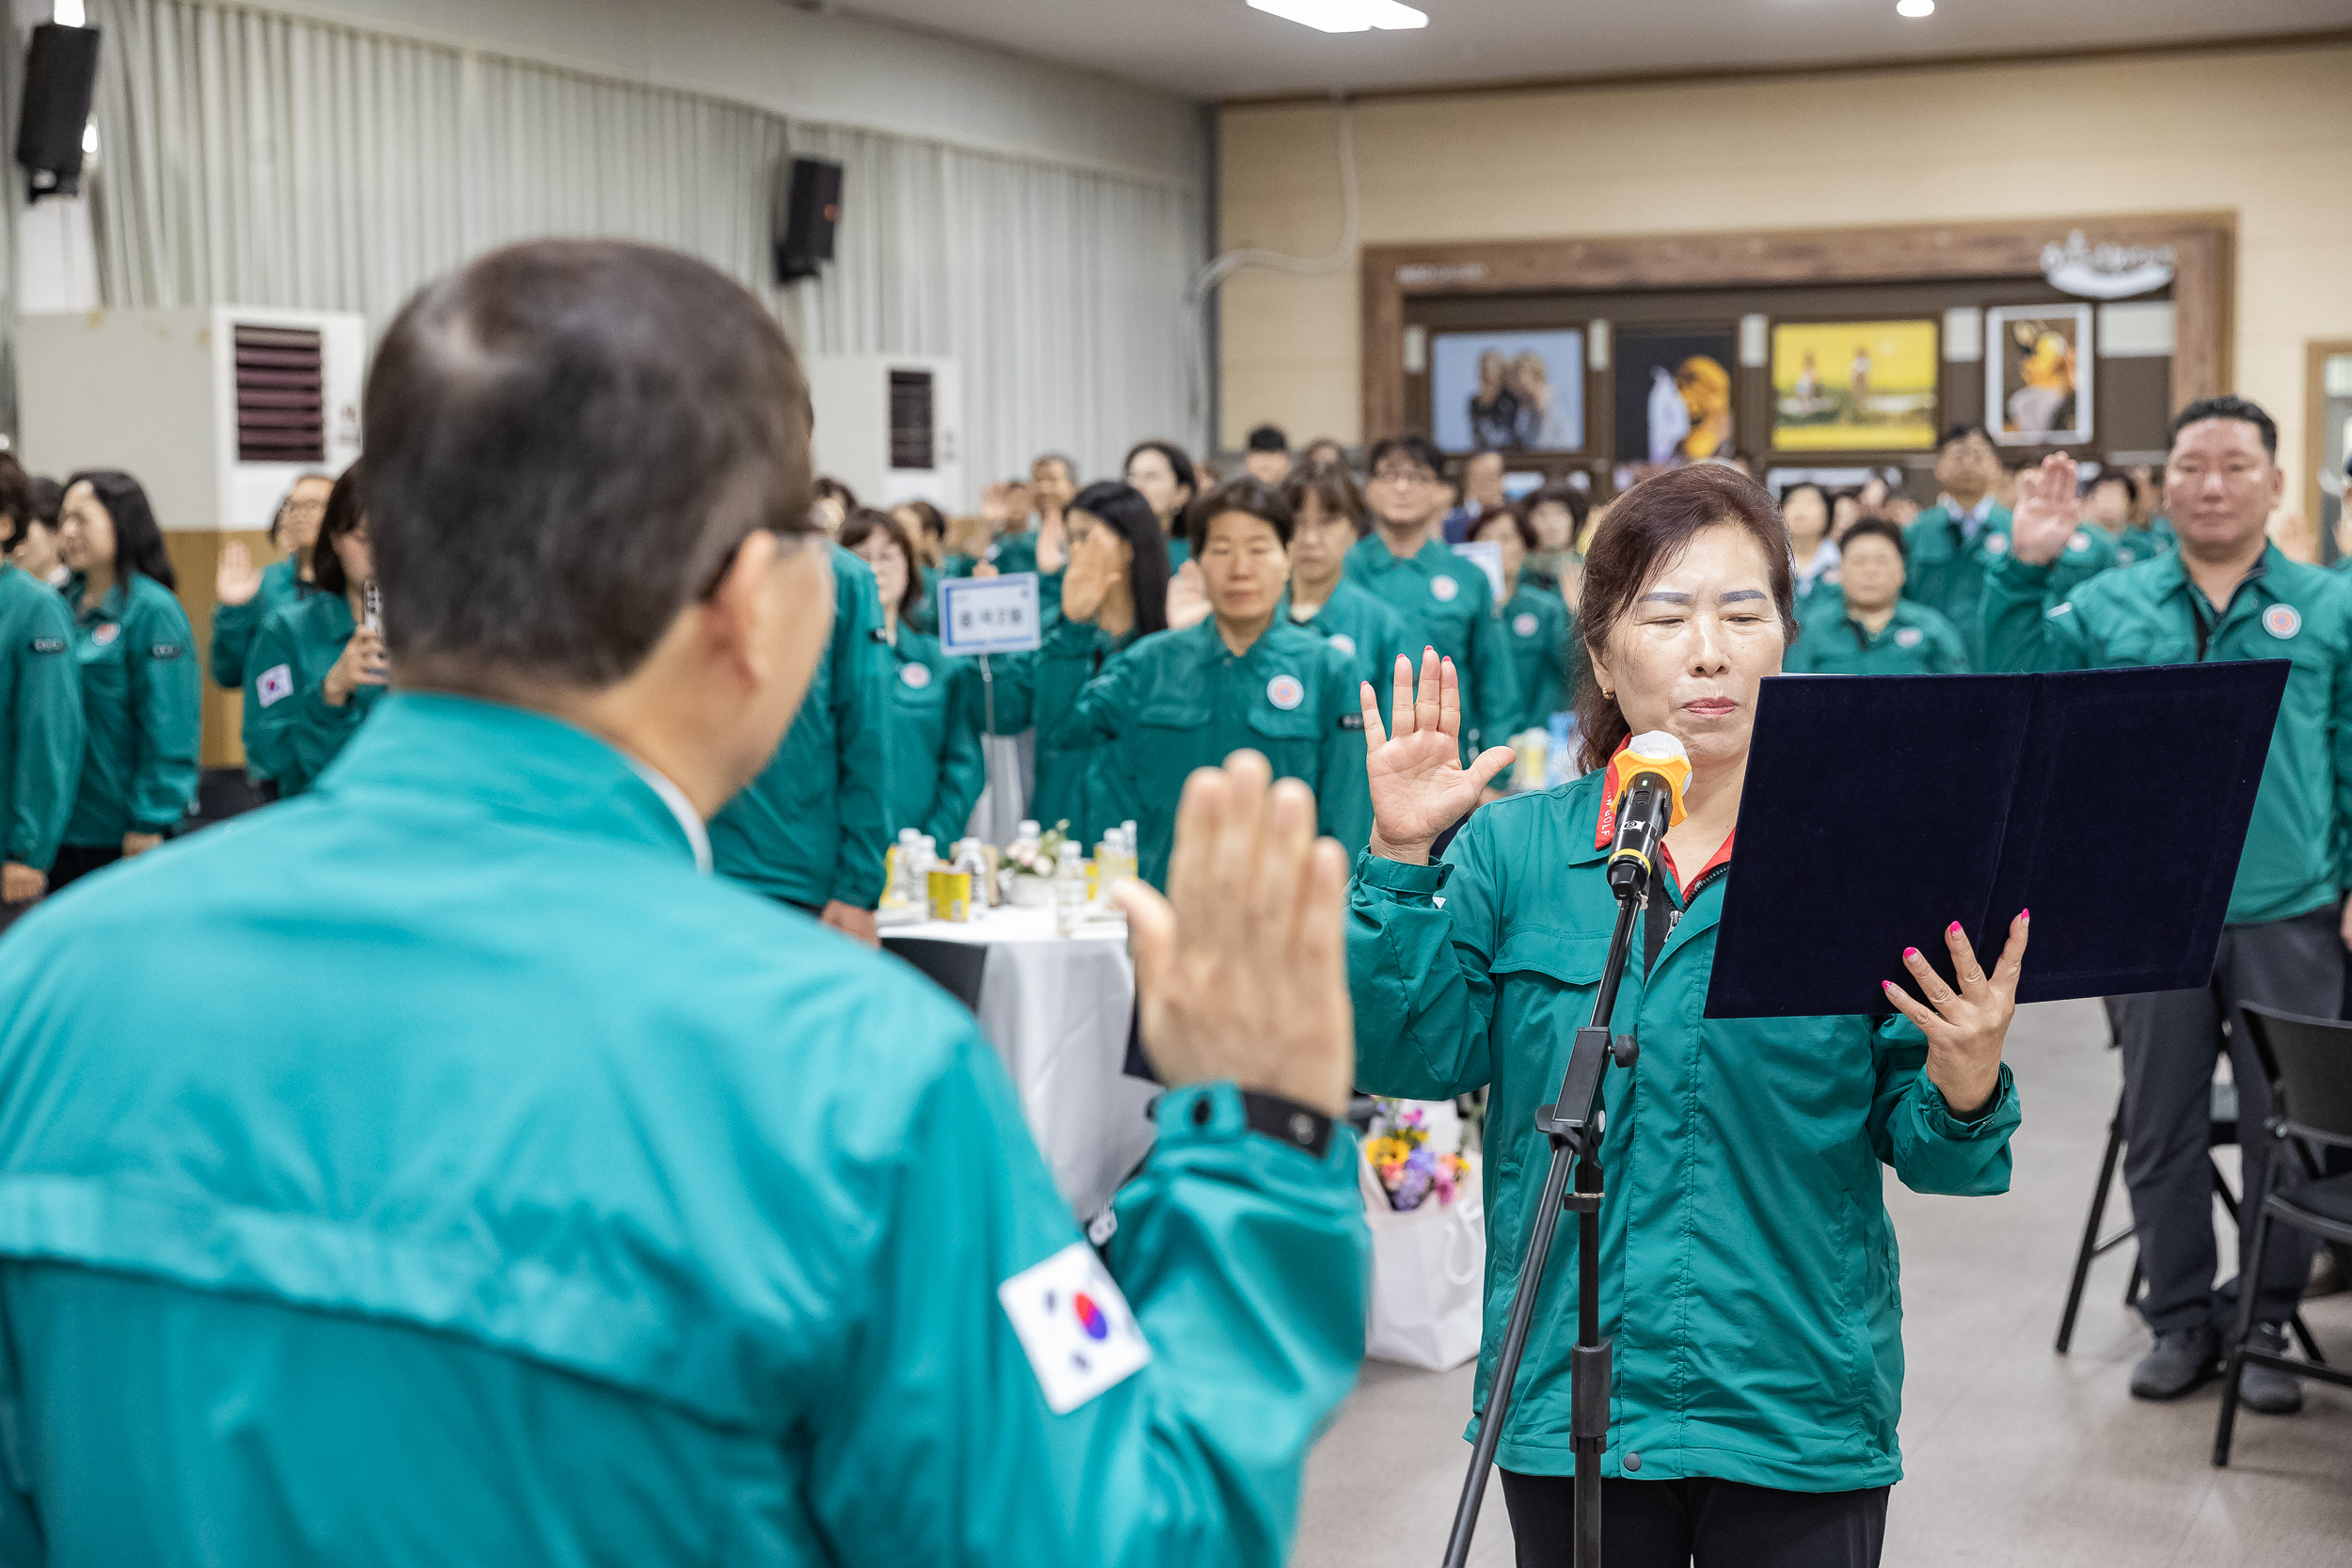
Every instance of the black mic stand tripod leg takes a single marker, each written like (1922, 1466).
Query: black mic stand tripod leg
(1572, 1124)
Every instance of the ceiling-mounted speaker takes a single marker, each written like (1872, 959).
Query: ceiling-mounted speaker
(808, 205)
(60, 69)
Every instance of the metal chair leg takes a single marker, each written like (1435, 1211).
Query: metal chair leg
(2089, 1248)
(2236, 1373)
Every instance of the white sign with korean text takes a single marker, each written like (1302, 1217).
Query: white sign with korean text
(989, 616)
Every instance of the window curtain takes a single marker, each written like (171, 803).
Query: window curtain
(260, 159)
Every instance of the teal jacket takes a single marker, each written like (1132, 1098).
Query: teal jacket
(40, 720)
(1946, 572)
(1183, 700)
(292, 731)
(1446, 603)
(534, 1200)
(2136, 545)
(814, 826)
(1541, 634)
(936, 769)
(236, 626)
(1916, 640)
(140, 697)
(1748, 1269)
(2298, 845)
(1039, 692)
(1363, 628)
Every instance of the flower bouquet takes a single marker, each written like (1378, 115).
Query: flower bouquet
(1028, 872)
(1411, 1169)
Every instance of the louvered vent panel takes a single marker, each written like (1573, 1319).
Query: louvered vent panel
(282, 395)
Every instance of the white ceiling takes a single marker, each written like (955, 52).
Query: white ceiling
(1223, 49)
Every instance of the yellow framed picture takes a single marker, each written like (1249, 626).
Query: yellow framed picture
(1867, 386)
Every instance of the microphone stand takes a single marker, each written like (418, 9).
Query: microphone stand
(1573, 1125)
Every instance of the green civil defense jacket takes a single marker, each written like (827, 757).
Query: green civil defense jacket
(40, 720)
(236, 626)
(459, 1177)
(1747, 1265)
(290, 731)
(139, 705)
(2298, 844)
(936, 769)
(1446, 603)
(1182, 700)
(814, 826)
(1539, 631)
(1946, 571)
(1367, 631)
(1916, 640)
(1040, 690)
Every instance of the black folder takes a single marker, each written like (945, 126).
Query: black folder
(1879, 809)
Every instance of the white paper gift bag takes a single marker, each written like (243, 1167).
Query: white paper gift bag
(1427, 1265)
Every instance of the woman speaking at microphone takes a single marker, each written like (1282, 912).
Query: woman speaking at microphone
(1747, 1262)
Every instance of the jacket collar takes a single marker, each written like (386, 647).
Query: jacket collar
(1377, 556)
(447, 753)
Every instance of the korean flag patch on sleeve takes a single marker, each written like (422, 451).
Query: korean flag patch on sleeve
(1075, 1325)
(274, 685)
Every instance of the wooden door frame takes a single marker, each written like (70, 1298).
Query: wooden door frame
(2316, 352)
(2204, 244)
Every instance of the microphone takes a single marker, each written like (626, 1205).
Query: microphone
(1644, 787)
(371, 603)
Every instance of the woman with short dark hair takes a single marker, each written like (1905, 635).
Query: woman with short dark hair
(925, 529)
(1244, 679)
(1536, 625)
(139, 684)
(319, 667)
(1750, 1263)
(936, 771)
(248, 594)
(1328, 517)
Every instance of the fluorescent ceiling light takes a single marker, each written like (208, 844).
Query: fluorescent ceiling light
(1914, 9)
(1344, 16)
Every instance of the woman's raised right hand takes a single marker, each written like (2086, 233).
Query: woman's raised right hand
(1419, 786)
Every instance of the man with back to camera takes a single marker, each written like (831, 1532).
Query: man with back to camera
(41, 712)
(1445, 601)
(1949, 547)
(2225, 593)
(561, 1205)
(1482, 493)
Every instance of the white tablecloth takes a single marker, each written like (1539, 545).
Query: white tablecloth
(1057, 1008)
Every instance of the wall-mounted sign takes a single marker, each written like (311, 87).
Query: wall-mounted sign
(2106, 271)
(1428, 274)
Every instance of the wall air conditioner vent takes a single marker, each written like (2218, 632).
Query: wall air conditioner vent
(282, 395)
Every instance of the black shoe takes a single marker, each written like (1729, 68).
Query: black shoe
(2181, 1360)
(2267, 1389)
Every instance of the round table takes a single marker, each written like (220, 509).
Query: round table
(1058, 1009)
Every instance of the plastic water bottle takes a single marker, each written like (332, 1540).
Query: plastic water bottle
(1070, 890)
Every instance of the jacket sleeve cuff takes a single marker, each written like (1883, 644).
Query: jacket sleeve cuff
(1998, 1117)
(1396, 877)
(2011, 572)
(1203, 1116)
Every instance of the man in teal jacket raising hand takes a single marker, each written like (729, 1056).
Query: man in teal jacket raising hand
(464, 1174)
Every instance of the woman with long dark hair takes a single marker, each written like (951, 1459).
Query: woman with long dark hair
(936, 771)
(1114, 592)
(1748, 1257)
(319, 666)
(139, 685)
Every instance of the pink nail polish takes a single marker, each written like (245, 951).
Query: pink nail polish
(1954, 929)
(2025, 914)
(1910, 952)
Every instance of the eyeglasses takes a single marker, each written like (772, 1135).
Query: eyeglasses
(1404, 476)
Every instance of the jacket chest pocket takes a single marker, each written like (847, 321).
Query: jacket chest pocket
(1287, 738)
(104, 672)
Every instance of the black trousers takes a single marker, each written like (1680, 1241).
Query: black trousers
(1700, 1523)
(77, 861)
(2171, 1040)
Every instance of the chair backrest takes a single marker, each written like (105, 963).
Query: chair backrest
(2310, 1059)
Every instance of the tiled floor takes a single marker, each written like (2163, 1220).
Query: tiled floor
(2013, 1454)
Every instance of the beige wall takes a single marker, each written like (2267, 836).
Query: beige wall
(2267, 134)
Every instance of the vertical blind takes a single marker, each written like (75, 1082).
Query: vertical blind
(255, 158)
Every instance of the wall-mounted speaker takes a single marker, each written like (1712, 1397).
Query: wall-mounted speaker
(809, 204)
(60, 73)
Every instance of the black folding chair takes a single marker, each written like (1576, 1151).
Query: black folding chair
(2223, 1133)
(2309, 1062)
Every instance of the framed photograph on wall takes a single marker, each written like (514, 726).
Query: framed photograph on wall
(1507, 392)
(1867, 386)
(1673, 395)
(2038, 361)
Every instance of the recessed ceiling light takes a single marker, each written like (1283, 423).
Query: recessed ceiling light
(1914, 9)
(1350, 16)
